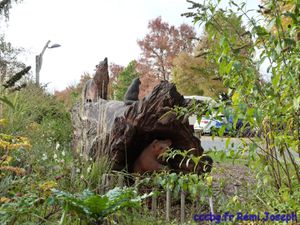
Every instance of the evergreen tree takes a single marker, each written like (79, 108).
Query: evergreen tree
(124, 80)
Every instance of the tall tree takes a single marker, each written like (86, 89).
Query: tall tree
(9, 63)
(162, 44)
(114, 71)
(237, 37)
(8, 56)
(197, 73)
(284, 10)
(124, 80)
(5, 6)
(195, 76)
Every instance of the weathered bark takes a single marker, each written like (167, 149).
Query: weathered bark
(122, 132)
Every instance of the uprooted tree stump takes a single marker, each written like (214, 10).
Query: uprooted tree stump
(121, 132)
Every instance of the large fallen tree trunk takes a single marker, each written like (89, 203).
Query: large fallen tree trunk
(122, 132)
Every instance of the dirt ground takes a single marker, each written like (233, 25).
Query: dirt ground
(231, 178)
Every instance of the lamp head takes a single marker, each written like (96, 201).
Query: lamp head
(54, 46)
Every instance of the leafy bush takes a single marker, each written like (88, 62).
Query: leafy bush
(38, 114)
(95, 208)
(271, 107)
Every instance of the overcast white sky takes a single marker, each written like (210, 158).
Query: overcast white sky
(87, 31)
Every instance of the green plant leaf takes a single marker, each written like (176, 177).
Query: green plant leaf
(7, 101)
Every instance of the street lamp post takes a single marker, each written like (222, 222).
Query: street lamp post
(39, 61)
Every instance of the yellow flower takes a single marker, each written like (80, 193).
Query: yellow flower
(3, 122)
(4, 200)
(48, 185)
(235, 198)
(8, 142)
(5, 160)
(209, 180)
